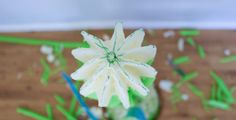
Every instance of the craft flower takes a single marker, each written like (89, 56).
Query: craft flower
(111, 67)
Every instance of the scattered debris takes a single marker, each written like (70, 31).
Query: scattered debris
(227, 52)
(169, 34)
(181, 44)
(185, 97)
(46, 49)
(166, 85)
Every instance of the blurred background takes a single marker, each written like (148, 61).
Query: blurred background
(38, 15)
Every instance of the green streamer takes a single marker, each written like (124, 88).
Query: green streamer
(49, 111)
(196, 90)
(191, 41)
(218, 104)
(65, 113)
(29, 113)
(59, 99)
(46, 72)
(181, 60)
(186, 78)
(189, 32)
(201, 51)
(228, 59)
(31, 41)
(224, 89)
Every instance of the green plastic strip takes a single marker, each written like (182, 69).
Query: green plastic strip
(31, 41)
(191, 42)
(29, 113)
(196, 90)
(186, 78)
(189, 32)
(218, 104)
(65, 113)
(46, 72)
(201, 51)
(49, 111)
(59, 99)
(181, 60)
(228, 59)
(224, 89)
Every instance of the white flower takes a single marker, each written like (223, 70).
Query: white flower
(111, 67)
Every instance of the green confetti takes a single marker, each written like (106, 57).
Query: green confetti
(186, 78)
(31, 41)
(189, 32)
(65, 113)
(49, 111)
(72, 105)
(191, 41)
(201, 51)
(224, 89)
(29, 113)
(181, 60)
(195, 90)
(228, 59)
(59, 99)
(46, 72)
(218, 104)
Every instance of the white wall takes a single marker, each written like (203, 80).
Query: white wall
(26, 15)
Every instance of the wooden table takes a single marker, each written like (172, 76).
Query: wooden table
(20, 72)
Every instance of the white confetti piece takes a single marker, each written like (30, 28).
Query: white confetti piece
(181, 44)
(50, 58)
(46, 49)
(185, 97)
(166, 85)
(169, 34)
(227, 52)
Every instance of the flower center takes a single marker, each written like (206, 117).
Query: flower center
(111, 57)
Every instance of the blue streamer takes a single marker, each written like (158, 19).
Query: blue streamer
(78, 96)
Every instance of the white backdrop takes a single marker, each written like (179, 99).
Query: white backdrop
(37, 15)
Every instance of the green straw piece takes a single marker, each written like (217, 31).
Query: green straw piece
(191, 42)
(181, 60)
(31, 41)
(228, 59)
(29, 113)
(49, 111)
(46, 72)
(189, 32)
(218, 104)
(201, 51)
(65, 113)
(224, 89)
(59, 99)
(196, 90)
(186, 78)
(72, 105)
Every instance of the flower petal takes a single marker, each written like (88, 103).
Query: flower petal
(141, 54)
(106, 92)
(139, 69)
(95, 83)
(93, 41)
(121, 89)
(133, 81)
(134, 40)
(85, 54)
(87, 69)
(118, 36)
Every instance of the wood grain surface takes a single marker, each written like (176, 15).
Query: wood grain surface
(20, 72)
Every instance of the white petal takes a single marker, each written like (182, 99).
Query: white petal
(93, 41)
(121, 89)
(95, 83)
(133, 81)
(106, 92)
(118, 36)
(141, 54)
(87, 69)
(140, 69)
(85, 54)
(133, 41)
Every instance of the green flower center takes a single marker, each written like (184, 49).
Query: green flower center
(111, 57)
